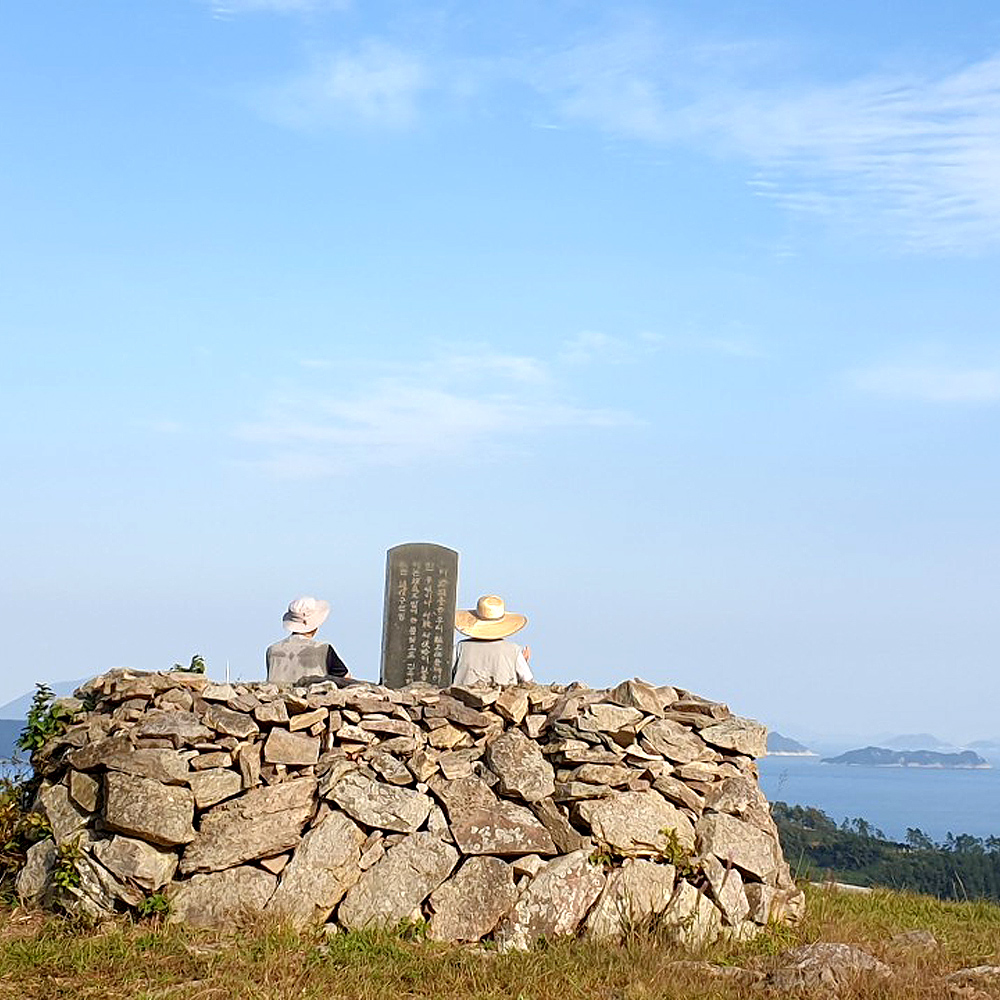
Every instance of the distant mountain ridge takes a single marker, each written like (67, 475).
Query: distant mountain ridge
(916, 741)
(10, 729)
(784, 746)
(884, 757)
(18, 708)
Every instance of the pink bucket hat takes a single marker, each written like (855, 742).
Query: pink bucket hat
(305, 614)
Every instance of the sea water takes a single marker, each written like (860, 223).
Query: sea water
(938, 801)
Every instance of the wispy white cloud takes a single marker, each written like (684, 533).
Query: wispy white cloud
(375, 84)
(229, 8)
(934, 383)
(910, 155)
(460, 404)
(589, 346)
(909, 158)
(593, 345)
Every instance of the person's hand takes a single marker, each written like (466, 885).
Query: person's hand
(526, 653)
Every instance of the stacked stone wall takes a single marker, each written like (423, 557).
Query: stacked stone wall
(505, 814)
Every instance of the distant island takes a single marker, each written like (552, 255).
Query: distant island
(883, 757)
(783, 746)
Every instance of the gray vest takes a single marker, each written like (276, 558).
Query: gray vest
(486, 663)
(296, 658)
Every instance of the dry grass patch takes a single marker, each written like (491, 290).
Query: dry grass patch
(51, 958)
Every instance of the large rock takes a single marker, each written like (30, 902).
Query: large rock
(638, 694)
(727, 890)
(214, 785)
(553, 904)
(184, 728)
(163, 765)
(741, 735)
(615, 720)
(385, 807)
(283, 747)
(96, 754)
(136, 861)
(221, 900)
(395, 887)
(520, 766)
(97, 892)
(637, 823)
(566, 838)
(259, 824)
(66, 818)
(230, 723)
(676, 791)
(672, 740)
(483, 824)
(84, 790)
(323, 867)
(512, 704)
(740, 844)
(826, 966)
(32, 882)
(633, 894)
(692, 917)
(470, 904)
(143, 808)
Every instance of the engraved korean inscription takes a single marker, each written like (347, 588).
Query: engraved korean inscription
(421, 581)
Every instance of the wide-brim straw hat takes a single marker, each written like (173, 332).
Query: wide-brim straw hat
(305, 614)
(489, 620)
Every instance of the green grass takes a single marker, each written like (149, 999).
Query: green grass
(45, 956)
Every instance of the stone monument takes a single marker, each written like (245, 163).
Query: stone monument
(418, 624)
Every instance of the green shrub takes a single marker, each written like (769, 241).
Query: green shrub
(19, 829)
(154, 906)
(196, 666)
(46, 718)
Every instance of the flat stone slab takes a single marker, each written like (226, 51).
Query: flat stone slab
(32, 881)
(741, 844)
(554, 903)
(727, 890)
(230, 723)
(146, 809)
(611, 719)
(214, 785)
(136, 861)
(744, 736)
(634, 893)
(636, 823)
(638, 694)
(672, 740)
(469, 905)
(283, 747)
(184, 728)
(694, 919)
(519, 764)
(324, 866)
(483, 824)
(376, 804)
(825, 965)
(564, 835)
(395, 887)
(259, 824)
(66, 818)
(221, 900)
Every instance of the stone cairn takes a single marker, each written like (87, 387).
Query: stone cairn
(506, 814)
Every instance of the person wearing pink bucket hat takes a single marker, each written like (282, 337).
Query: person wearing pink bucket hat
(487, 658)
(299, 658)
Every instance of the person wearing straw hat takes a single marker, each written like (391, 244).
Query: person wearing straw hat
(486, 658)
(299, 658)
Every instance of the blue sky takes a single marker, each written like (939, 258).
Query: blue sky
(678, 320)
